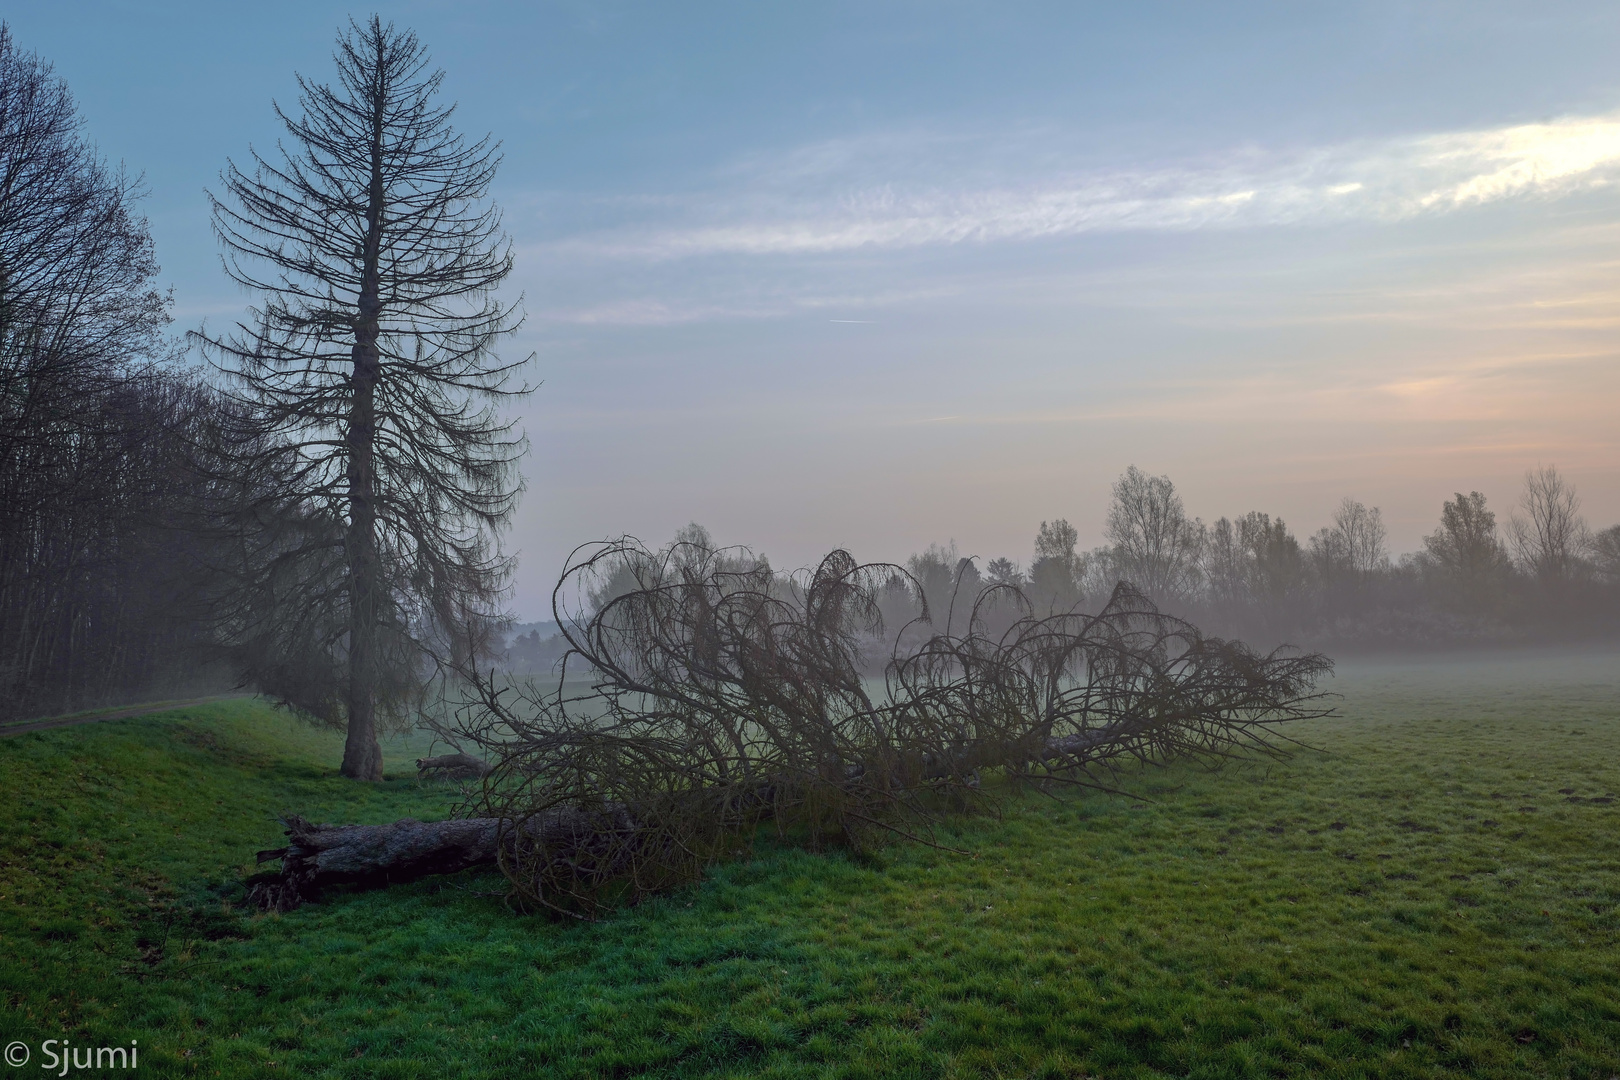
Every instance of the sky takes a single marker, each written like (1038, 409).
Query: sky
(878, 275)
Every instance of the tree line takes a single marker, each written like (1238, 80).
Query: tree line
(1541, 573)
(314, 512)
(92, 598)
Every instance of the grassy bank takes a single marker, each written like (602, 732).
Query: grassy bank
(1435, 894)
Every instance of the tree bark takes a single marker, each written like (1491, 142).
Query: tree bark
(320, 856)
(362, 755)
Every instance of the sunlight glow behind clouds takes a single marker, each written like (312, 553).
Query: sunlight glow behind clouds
(1276, 327)
(832, 211)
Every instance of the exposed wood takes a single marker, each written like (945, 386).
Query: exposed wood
(366, 856)
(318, 856)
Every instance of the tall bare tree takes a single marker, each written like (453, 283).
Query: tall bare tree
(77, 301)
(1354, 546)
(367, 372)
(1548, 533)
(1156, 546)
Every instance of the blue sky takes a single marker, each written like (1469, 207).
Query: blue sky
(884, 274)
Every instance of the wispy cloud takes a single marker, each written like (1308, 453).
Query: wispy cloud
(826, 199)
(738, 304)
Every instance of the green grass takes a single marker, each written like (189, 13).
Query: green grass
(1421, 899)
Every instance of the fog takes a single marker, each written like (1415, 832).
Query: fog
(1359, 348)
(1540, 574)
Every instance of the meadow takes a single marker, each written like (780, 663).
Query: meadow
(1428, 886)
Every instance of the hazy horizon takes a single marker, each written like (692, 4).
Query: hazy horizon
(881, 276)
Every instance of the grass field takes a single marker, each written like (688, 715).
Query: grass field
(1432, 892)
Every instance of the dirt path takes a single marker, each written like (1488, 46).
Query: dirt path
(121, 713)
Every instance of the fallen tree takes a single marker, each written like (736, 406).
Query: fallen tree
(723, 697)
(318, 857)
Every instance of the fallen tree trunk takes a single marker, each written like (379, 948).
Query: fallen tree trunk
(318, 856)
(368, 856)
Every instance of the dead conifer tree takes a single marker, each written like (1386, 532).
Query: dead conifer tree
(367, 376)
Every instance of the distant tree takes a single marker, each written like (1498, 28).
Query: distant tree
(1156, 546)
(1228, 565)
(77, 299)
(1004, 571)
(1252, 567)
(696, 536)
(1465, 551)
(950, 583)
(1606, 554)
(1354, 547)
(530, 654)
(1466, 542)
(1056, 540)
(897, 604)
(367, 376)
(693, 546)
(1279, 563)
(1547, 532)
(1054, 573)
(966, 585)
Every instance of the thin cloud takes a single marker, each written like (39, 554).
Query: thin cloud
(765, 305)
(1369, 181)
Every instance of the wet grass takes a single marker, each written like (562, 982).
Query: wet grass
(1432, 893)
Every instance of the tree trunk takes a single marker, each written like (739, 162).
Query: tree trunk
(362, 756)
(320, 856)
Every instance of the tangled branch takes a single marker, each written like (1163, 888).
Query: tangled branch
(706, 695)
